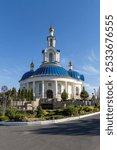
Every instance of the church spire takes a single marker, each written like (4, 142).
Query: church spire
(51, 31)
(51, 38)
(32, 66)
(70, 65)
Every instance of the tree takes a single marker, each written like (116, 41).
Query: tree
(84, 94)
(25, 94)
(40, 112)
(19, 94)
(93, 97)
(13, 93)
(28, 95)
(31, 94)
(64, 95)
(22, 96)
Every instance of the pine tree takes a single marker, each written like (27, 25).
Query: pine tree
(28, 95)
(25, 94)
(19, 94)
(31, 95)
(64, 95)
(13, 93)
(93, 98)
(22, 96)
(84, 94)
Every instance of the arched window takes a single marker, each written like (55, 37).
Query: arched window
(59, 88)
(50, 57)
(51, 42)
(77, 91)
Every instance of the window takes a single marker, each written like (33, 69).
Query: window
(50, 57)
(49, 84)
(77, 91)
(51, 42)
(40, 88)
(59, 88)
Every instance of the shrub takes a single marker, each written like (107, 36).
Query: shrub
(59, 112)
(19, 117)
(87, 108)
(82, 112)
(10, 113)
(70, 111)
(40, 112)
(4, 118)
(78, 108)
(84, 94)
(96, 109)
(97, 105)
(57, 117)
(0, 114)
(64, 95)
(51, 113)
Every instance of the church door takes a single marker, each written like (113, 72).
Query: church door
(49, 94)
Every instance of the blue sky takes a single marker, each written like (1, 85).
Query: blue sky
(24, 26)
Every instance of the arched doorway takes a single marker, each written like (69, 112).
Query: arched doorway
(49, 94)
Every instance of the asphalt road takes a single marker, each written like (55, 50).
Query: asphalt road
(82, 134)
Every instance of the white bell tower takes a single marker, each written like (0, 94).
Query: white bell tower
(51, 54)
(51, 38)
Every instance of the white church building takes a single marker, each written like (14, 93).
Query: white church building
(51, 78)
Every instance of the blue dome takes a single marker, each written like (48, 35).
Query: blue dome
(27, 75)
(76, 75)
(51, 70)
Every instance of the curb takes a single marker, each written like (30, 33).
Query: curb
(46, 122)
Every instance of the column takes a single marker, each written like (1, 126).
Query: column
(56, 89)
(43, 89)
(73, 92)
(66, 86)
(34, 89)
(28, 86)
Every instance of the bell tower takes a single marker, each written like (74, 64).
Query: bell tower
(51, 54)
(51, 38)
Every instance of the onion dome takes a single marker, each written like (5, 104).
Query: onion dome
(51, 70)
(32, 66)
(70, 65)
(27, 75)
(75, 75)
(51, 29)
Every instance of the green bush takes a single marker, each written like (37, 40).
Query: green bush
(10, 113)
(78, 108)
(54, 117)
(1, 114)
(19, 117)
(64, 95)
(59, 112)
(82, 112)
(70, 111)
(4, 118)
(87, 108)
(40, 112)
(96, 109)
(51, 113)
(57, 117)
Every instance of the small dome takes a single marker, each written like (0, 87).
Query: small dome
(32, 65)
(27, 75)
(76, 75)
(51, 70)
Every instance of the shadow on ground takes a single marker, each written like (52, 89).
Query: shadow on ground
(81, 127)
